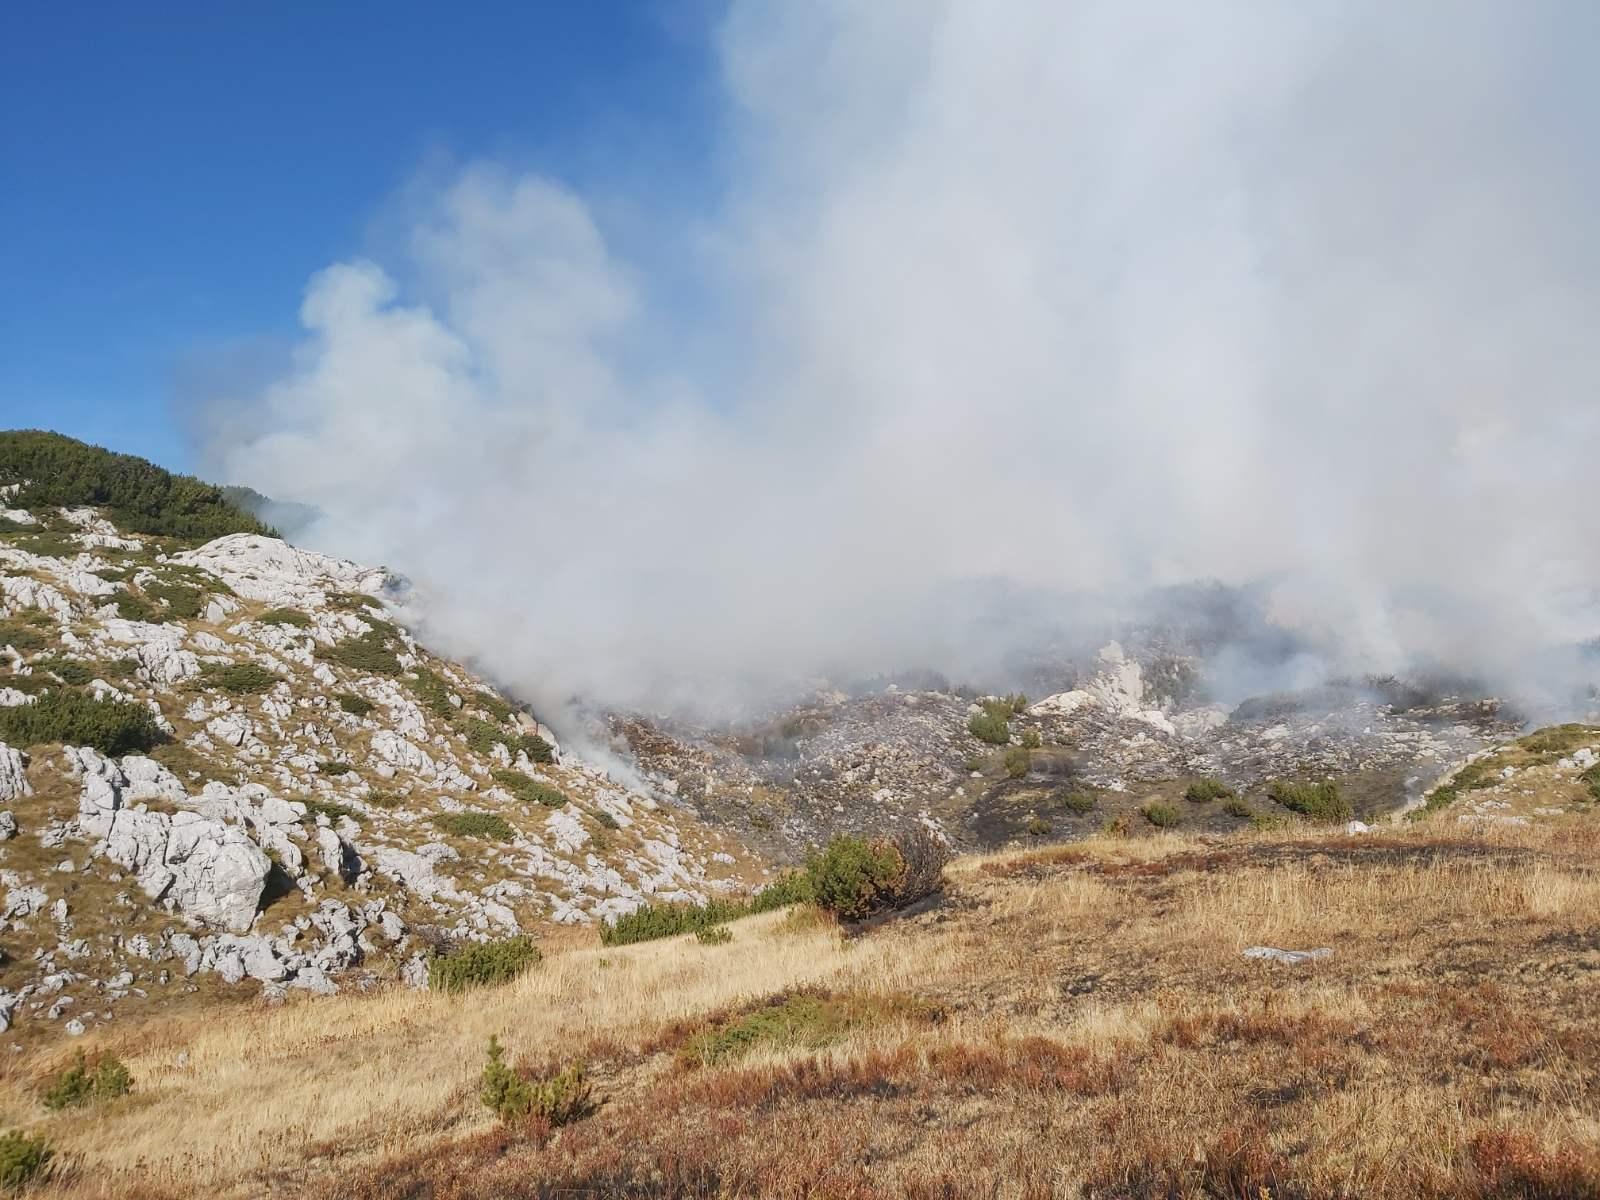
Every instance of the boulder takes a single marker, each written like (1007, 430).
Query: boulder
(218, 871)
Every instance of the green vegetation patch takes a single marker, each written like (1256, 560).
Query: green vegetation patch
(21, 1159)
(1018, 759)
(22, 636)
(113, 727)
(528, 790)
(535, 747)
(554, 1100)
(499, 709)
(180, 599)
(331, 768)
(354, 601)
(1162, 816)
(1080, 802)
(1238, 808)
(476, 825)
(809, 1020)
(433, 693)
(50, 543)
(133, 607)
(482, 964)
(482, 736)
(1558, 740)
(370, 653)
(356, 706)
(139, 496)
(68, 671)
(292, 617)
(82, 1083)
(1319, 801)
(1202, 791)
(238, 679)
(331, 809)
(987, 727)
(651, 921)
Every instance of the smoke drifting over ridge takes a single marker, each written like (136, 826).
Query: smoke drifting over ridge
(1084, 298)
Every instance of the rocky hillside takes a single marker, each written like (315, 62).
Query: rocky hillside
(228, 763)
(993, 771)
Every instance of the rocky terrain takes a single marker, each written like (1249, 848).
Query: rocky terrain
(875, 762)
(323, 802)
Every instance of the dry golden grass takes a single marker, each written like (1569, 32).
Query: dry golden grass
(1074, 1021)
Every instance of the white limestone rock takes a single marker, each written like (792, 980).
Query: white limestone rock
(13, 776)
(268, 569)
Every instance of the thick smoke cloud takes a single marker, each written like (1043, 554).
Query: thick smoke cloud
(1084, 298)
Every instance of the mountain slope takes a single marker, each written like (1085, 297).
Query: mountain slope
(230, 762)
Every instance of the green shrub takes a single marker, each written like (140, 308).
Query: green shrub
(370, 653)
(1032, 739)
(987, 727)
(113, 727)
(1591, 781)
(651, 921)
(499, 709)
(477, 825)
(133, 607)
(1017, 759)
(1037, 826)
(334, 769)
(21, 1159)
(1162, 816)
(331, 809)
(238, 679)
(354, 601)
(140, 496)
(482, 736)
(606, 819)
(853, 877)
(536, 748)
(557, 1100)
(74, 674)
(1319, 801)
(21, 636)
(530, 791)
(285, 616)
(1238, 808)
(79, 1084)
(482, 964)
(432, 692)
(356, 706)
(1204, 790)
(181, 600)
(1080, 802)
(714, 935)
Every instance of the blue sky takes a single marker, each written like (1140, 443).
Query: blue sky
(171, 175)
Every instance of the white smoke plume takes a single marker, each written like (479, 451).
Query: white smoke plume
(1088, 298)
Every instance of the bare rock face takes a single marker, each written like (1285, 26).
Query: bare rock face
(13, 779)
(267, 569)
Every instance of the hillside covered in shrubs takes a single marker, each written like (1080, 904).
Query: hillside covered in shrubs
(49, 469)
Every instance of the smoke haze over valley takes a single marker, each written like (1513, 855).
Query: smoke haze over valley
(996, 319)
